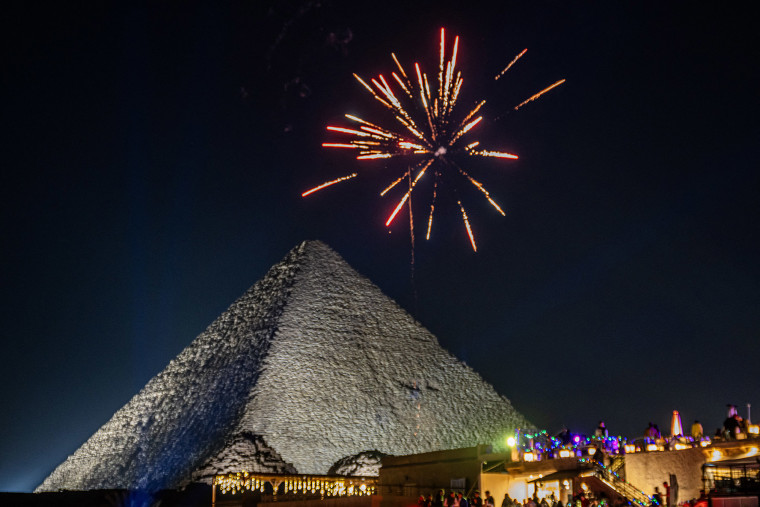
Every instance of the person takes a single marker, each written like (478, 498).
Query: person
(476, 501)
(657, 497)
(650, 433)
(463, 501)
(543, 502)
(507, 502)
(564, 436)
(488, 500)
(666, 486)
(438, 499)
(697, 432)
(731, 427)
(601, 432)
(599, 455)
(421, 501)
(744, 426)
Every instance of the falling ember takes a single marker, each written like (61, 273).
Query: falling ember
(327, 184)
(428, 129)
(510, 64)
(537, 95)
(467, 225)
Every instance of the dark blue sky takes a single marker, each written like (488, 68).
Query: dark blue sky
(155, 159)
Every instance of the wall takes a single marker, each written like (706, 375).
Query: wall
(421, 474)
(645, 470)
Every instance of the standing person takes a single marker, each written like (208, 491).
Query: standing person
(657, 497)
(507, 502)
(731, 427)
(463, 501)
(476, 501)
(697, 432)
(601, 431)
(667, 493)
(650, 433)
(438, 499)
(489, 501)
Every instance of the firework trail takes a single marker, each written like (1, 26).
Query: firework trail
(428, 133)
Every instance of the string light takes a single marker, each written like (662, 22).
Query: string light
(326, 486)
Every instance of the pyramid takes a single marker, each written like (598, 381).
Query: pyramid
(311, 365)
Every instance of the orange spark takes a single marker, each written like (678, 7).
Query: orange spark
(467, 225)
(328, 183)
(338, 145)
(537, 95)
(495, 154)
(510, 64)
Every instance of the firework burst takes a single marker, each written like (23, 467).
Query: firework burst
(428, 135)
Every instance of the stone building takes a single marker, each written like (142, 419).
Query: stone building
(311, 365)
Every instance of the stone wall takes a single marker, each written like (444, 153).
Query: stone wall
(647, 470)
(421, 474)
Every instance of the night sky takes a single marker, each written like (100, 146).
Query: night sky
(154, 160)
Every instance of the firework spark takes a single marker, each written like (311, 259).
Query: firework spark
(427, 134)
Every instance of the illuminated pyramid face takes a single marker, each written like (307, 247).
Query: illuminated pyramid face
(312, 364)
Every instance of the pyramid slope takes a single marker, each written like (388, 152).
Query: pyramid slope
(315, 364)
(179, 418)
(369, 377)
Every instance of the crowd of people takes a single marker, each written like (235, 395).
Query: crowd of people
(454, 499)
(600, 444)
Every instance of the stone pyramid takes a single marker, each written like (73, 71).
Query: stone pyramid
(311, 365)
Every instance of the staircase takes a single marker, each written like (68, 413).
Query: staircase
(613, 481)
